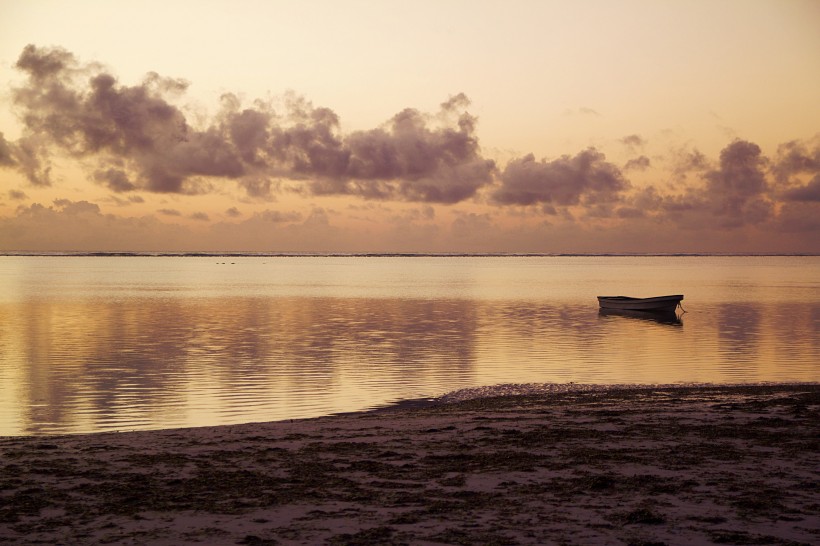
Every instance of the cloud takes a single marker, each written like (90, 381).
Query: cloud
(115, 179)
(737, 188)
(258, 188)
(83, 111)
(569, 180)
(134, 138)
(31, 159)
(75, 208)
(582, 111)
(633, 141)
(17, 195)
(79, 225)
(641, 204)
(688, 162)
(200, 216)
(6, 159)
(809, 192)
(729, 194)
(795, 161)
(279, 217)
(800, 217)
(797, 157)
(413, 157)
(470, 224)
(630, 212)
(141, 140)
(640, 163)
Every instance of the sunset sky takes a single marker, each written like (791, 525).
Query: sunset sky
(426, 126)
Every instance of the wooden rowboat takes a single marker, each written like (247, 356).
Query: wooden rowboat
(658, 304)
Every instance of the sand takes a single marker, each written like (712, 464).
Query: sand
(664, 465)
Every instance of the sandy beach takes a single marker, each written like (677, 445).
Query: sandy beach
(723, 465)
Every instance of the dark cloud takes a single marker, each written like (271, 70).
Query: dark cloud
(17, 195)
(599, 210)
(169, 212)
(680, 204)
(6, 159)
(737, 188)
(201, 216)
(258, 188)
(77, 207)
(687, 162)
(633, 142)
(115, 179)
(640, 163)
(233, 212)
(796, 157)
(809, 192)
(733, 193)
(799, 217)
(630, 212)
(44, 64)
(585, 178)
(794, 163)
(83, 111)
(143, 141)
(32, 160)
(413, 157)
(647, 199)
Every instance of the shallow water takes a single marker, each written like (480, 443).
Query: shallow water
(120, 343)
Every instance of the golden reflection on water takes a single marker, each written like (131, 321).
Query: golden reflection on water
(91, 365)
(162, 353)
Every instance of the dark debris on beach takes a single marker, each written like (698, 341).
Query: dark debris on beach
(722, 465)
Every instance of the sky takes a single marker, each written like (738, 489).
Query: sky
(521, 126)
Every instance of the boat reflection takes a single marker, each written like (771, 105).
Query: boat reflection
(664, 317)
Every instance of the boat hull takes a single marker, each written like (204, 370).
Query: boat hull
(661, 317)
(658, 304)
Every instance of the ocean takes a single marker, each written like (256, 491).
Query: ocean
(126, 342)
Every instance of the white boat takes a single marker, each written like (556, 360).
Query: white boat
(658, 304)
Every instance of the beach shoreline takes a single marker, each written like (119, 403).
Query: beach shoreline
(662, 464)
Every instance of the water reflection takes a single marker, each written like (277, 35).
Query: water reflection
(739, 326)
(156, 351)
(99, 359)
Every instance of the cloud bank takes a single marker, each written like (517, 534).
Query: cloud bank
(585, 178)
(141, 140)
(137, 139)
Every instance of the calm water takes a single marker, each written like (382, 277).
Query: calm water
(118, 343)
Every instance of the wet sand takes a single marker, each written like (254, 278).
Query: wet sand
(726, 465)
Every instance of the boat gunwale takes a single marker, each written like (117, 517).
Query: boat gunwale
(676, 297)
